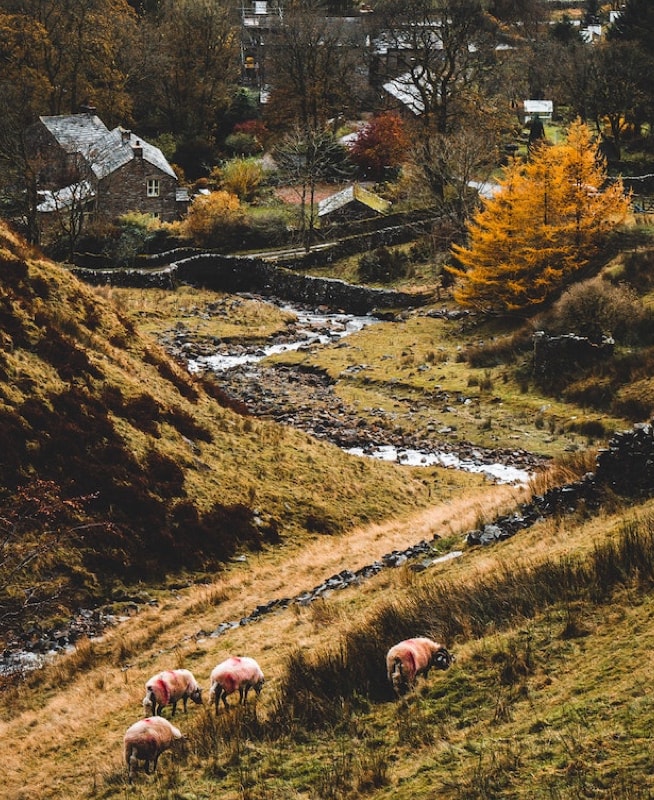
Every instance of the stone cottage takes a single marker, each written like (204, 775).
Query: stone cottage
(104, 173)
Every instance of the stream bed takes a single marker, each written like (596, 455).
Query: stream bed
(305, 399)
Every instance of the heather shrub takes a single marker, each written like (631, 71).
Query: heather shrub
(383, 266)
(595, 309)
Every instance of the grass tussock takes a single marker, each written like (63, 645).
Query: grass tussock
(450, 613)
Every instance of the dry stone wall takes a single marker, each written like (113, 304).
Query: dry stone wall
(249, 274)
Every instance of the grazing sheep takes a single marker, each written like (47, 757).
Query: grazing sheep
(412, 657)
(146, 740)
(168, 688)
(236, 672)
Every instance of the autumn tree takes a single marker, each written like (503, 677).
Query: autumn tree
(70, 53)
(188, 66)
(535, 236)
(634, 28)
(380, 145)
(617, 98)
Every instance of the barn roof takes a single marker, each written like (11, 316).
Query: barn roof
(353, 193)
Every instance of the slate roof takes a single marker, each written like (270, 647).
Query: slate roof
(64, 198)
(355, 192)
(404, 89)
(75, 133)
(104, 150)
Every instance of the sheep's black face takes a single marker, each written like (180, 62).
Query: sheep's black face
(442, 659)
(196, 696)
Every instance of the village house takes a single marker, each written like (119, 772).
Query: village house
(85, 168)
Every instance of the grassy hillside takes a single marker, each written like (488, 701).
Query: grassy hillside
(119, 467)
(549, 697)
(550, 694)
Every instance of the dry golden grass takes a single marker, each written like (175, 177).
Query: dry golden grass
(64, 734)
(62, 737)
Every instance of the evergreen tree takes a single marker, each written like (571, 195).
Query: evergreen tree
(534, 236)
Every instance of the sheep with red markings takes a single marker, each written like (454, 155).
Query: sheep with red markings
(412, 657)
(146, 740)
(168, 688)
(235, 673)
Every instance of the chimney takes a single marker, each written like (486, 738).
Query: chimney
(124, 135)
(138, 149)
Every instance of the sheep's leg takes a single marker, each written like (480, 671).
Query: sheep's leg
(185, 700)
(154, 762)
(131, 765)
(174, 705)
(224, 696)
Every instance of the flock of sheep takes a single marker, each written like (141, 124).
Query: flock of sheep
(148, 738)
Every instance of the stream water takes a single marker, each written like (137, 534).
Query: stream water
(315, 329)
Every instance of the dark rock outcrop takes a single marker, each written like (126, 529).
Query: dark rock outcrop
(555, 356)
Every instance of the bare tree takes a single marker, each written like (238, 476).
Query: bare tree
(307, 156)
(313, 66)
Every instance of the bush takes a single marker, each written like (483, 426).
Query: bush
(242, 177)
(213, 220)
(595, 309)
(383, 266)
(639, 269)
(243, 144)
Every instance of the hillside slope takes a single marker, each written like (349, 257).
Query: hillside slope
(118, 466)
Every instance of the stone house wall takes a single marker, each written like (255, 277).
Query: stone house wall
(125, 189)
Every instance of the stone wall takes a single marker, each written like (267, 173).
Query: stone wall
(249, 274)
(555, 356)
(625, 467)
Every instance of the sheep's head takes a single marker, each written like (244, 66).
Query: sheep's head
(148, 705)
(442, 659)
(196, 695)
(258, 686)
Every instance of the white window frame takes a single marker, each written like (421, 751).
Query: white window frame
(152, 187)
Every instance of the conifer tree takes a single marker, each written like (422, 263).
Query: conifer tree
(545, 223)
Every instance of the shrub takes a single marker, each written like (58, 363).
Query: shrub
(383, 266)
(243, 144)
(214, 219)
(639, 269)
(595, 308)
(242, 177)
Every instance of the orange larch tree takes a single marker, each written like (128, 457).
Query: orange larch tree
(547, 220)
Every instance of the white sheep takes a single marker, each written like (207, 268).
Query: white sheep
(237, 672)
(146, 740)
(412, 657)
(168, 688)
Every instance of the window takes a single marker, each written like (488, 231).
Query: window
(153, 187)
